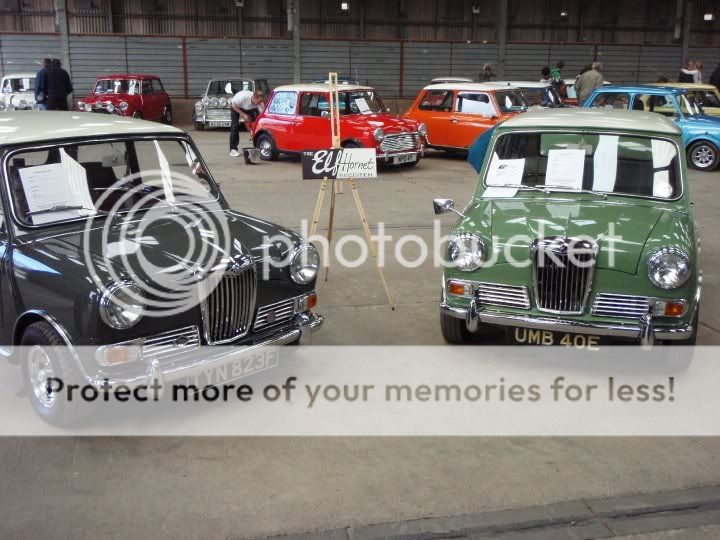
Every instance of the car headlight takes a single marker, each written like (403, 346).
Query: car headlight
(110, 107)
(88, 107)
(304, 264)
(223, 102)
(213, 102)
(205, 101)
(379, 134)
(466, 251)
(199, 106)
(422, 130)
(669, 268)
(122, 305)
(123, 106)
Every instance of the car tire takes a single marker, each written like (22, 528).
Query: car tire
(454, 330)
(266, 145)
(45, 354)
(703, 156)
(137, 114)
(167, 116)
(351, 144)
(199, 126)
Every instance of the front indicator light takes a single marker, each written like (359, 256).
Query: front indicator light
(458, 288)
(674, 309)
(307, 302)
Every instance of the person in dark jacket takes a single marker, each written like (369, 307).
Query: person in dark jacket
(59, 87)
(41, 85)
(715, 77)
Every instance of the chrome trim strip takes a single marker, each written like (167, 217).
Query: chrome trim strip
(632, 331)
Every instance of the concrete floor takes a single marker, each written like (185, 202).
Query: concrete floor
(254, 487)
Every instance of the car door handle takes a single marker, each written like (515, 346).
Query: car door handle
(454, 120)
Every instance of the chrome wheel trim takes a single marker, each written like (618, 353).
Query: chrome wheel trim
(265, 148)
(703, 156)
(168, 115)
(40, 369)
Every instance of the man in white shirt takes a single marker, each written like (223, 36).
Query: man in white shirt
(249, 105)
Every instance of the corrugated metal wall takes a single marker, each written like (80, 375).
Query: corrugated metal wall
(377, 63)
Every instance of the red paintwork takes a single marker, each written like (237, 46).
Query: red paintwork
(150, 106)
(297, 133)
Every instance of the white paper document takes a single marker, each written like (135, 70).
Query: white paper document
(565, 168)
(605, 163)
(502, 175)
(362, 105)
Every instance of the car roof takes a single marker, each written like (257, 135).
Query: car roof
(19, 76)
(321, 87)
(127, 76)
(40, 126)
(440, 80)
(604, 119)
(687, 86)
(472, 87)
(526, 84)
(645, 89)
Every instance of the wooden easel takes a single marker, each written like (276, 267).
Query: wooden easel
(336, 189)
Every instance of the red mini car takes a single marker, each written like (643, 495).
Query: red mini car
(139, 96)
(297, 118)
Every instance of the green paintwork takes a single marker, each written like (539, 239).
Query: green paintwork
(645, 225)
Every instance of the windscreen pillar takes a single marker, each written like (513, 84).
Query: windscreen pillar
(502, 21)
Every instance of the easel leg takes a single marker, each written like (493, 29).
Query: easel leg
(368, 235)
(330, 222)
(318, 207)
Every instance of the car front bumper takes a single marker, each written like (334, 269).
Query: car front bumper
(642, 330)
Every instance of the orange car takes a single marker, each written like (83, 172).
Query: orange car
(457, 113)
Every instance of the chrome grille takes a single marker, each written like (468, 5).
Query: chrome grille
(217, 115)
(399, 143)
(274, 313)
(563, 270)
(620, 305)
(228, 309)
(503, 295)
(164, 347)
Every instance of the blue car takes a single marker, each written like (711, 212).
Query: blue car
(701, 133)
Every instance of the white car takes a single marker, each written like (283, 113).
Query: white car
(538, 94)
(17, 92)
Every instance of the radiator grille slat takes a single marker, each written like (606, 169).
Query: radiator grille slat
(503, 295)
(619, 305)
(217, 115)
(563, 270)
(276, 313)
(399, 143)
(163, 347)
(228, 309)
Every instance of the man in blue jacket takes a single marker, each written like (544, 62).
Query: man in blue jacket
(41, 85)
(59, 87)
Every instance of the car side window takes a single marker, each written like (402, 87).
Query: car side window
(283, 103)
(314, 105)
(437, 100)
(656, 104)
(612, 100)
(146, 88)
(473, 103)
(157, 86)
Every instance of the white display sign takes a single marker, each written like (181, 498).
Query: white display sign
(340, 163)
(502, 176)
(565, 168)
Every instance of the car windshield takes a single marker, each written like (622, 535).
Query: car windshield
(81, 180)
(360, 102)
(117, 86)
(688, 105)
(706, 98)
(229, 86)
(19, 85)
(542, 97)
(511, 101)
(599, 163)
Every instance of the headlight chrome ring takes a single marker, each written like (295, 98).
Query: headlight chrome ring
(467, 252)
(379, 134)
(304, 264)
(121, 306)
(669, 268)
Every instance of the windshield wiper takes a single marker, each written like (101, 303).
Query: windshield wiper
(522, 187)
(575, 190)
(60, 208)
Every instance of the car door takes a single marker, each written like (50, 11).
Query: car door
(148, 102)
(279, 118)
(6, 313)
(473, 114)
(434, 108)
(311, 130)
(160, 96)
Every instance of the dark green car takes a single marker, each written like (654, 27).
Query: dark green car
(581, 230)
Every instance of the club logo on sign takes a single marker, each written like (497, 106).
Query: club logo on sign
(339, 163)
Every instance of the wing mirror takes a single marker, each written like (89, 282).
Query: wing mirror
(443, 206)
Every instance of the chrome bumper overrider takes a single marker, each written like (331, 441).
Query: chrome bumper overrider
(643, 330)
(304, 325)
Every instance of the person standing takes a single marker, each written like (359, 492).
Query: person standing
(59, 87)
(487, 74)
(545, 75)
(41, 85)
(715, 77)
(589, 81)
(698, 72)
(248, 105)
(688, 73)
(556, 74)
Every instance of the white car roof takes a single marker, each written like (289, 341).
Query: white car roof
(40, 126)
(609, 119)
(320, 87)
(526, 84)
(471, 87)
(19, 76)
(440, 80)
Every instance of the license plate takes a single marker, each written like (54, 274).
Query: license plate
(528, 336)
(408, 158)
(218, 124)
(234, 369)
